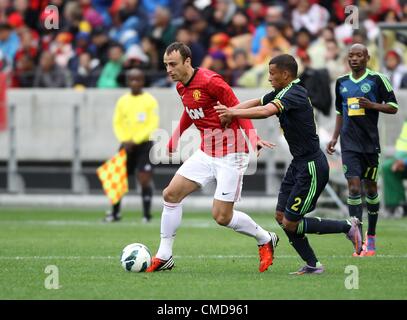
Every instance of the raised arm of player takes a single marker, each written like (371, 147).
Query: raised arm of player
(184, 123)
(251, 109)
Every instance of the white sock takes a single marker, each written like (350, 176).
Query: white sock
(170, 221)
(242, 223)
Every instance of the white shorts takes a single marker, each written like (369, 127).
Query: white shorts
(227, 171)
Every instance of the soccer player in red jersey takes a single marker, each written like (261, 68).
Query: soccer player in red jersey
(223, 157)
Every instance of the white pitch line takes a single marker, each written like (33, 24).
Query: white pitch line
(191, 224)
(404, 256)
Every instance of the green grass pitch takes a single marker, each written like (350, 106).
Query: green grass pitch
(212, 262)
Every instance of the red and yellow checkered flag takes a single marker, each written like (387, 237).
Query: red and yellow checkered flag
(113, 175)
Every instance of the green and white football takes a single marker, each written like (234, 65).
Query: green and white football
(136, 257)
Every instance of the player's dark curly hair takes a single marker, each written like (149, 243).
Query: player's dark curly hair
(182, 48)
(286, 62)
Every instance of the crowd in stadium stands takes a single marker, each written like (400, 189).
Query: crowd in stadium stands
(98, 40)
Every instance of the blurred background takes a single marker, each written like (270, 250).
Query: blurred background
(62, 67)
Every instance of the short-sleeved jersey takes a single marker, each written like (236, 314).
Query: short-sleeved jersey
(199, 96)
(135, 117)
(359, 132)
(296, 116)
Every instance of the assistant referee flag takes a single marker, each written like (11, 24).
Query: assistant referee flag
(113, 175)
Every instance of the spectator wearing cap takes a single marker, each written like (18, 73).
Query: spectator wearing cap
(273, 39)
(15, 20)
(9, 42)
(395, 69)
(49, 75)
(62, 49)
(220, 47)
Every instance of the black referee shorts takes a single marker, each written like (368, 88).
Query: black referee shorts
(302, 185)
(138, 158)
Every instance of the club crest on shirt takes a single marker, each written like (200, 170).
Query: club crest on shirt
(196, 94)
(365, 88)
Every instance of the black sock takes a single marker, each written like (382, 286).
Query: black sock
(322, 226)
(146, 195)
(373, 206)
(372, 218)
(302, 246)
(355, 208)
(116, 209)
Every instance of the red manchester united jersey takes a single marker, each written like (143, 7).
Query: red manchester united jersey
(199, 96)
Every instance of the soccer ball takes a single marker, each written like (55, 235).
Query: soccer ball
(136, 257)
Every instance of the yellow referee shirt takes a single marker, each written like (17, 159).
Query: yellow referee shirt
(135, 117)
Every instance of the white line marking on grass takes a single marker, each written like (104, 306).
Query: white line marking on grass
(154, 224)
(404, 256)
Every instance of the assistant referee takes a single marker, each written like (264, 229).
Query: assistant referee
(135, 118)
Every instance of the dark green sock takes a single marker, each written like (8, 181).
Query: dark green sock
(355, 208)
(322, 226)
(372, 219)
(302, 246)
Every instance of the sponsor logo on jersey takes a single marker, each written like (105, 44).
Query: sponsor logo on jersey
(195, 114)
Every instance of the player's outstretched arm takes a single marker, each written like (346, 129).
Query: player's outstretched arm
(247, 104)
(247, 111)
